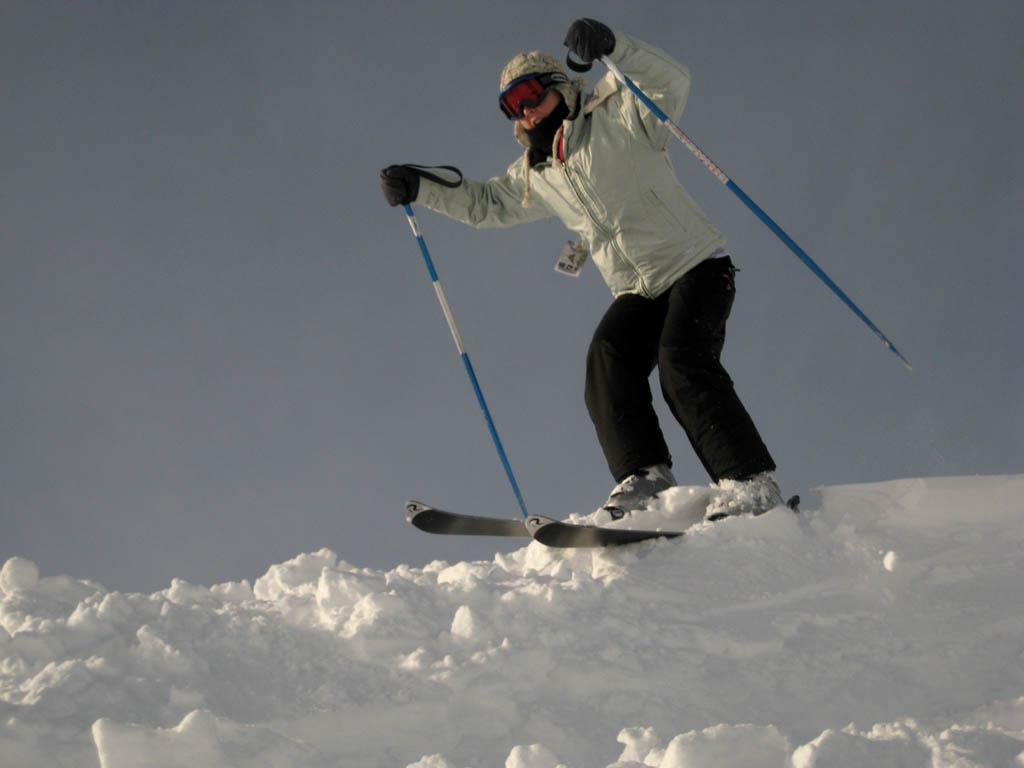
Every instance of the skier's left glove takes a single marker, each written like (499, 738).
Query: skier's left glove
(400, 184)
(589, 39)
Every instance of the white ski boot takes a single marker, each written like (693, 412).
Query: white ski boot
(752, 496)
(634, 493)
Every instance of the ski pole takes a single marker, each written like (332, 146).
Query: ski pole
(439, 290)
(764, 217)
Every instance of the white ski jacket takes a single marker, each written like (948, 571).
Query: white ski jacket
(609, 179)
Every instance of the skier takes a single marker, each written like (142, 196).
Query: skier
(599, 163)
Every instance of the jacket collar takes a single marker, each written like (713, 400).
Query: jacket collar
(605, 87)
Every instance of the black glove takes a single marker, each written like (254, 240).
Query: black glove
(588, 39)
(400, 184)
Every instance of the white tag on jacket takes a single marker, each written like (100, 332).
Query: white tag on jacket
(574, 256)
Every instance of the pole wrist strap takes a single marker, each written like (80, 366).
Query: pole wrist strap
(425, 171)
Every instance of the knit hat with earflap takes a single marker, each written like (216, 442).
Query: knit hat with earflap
(537, 63)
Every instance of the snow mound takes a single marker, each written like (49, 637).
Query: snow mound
(883, 626)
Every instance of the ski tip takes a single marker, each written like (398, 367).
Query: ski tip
(413, 508)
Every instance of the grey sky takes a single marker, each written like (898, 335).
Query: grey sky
(220, 347)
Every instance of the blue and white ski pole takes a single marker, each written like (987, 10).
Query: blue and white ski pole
(439, 290)
(720, 175)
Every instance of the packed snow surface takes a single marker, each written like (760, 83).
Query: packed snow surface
(883, 625)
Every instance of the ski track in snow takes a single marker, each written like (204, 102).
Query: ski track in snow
(882, 626)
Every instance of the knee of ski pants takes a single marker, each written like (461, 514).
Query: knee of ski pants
(693, 362)
(613, 367)
(697, 344)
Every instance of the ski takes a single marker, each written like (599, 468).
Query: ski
(433, 520)
(555, 533)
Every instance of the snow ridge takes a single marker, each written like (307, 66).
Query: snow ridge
(883, 625)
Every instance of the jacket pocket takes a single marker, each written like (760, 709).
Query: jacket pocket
(673, 218)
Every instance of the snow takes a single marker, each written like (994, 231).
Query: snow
(882, 626)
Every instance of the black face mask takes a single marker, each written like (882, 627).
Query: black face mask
(543, 133)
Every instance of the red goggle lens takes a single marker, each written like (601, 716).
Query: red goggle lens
(527, 91)
(519, 96)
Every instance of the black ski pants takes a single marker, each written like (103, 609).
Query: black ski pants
(682, 333)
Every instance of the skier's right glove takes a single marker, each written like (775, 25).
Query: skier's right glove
(400, 184)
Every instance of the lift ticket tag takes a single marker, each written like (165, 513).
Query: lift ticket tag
(574, 256)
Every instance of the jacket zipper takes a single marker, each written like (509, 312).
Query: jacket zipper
(593, 218)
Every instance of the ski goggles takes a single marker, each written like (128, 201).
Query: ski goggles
(527, 91)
